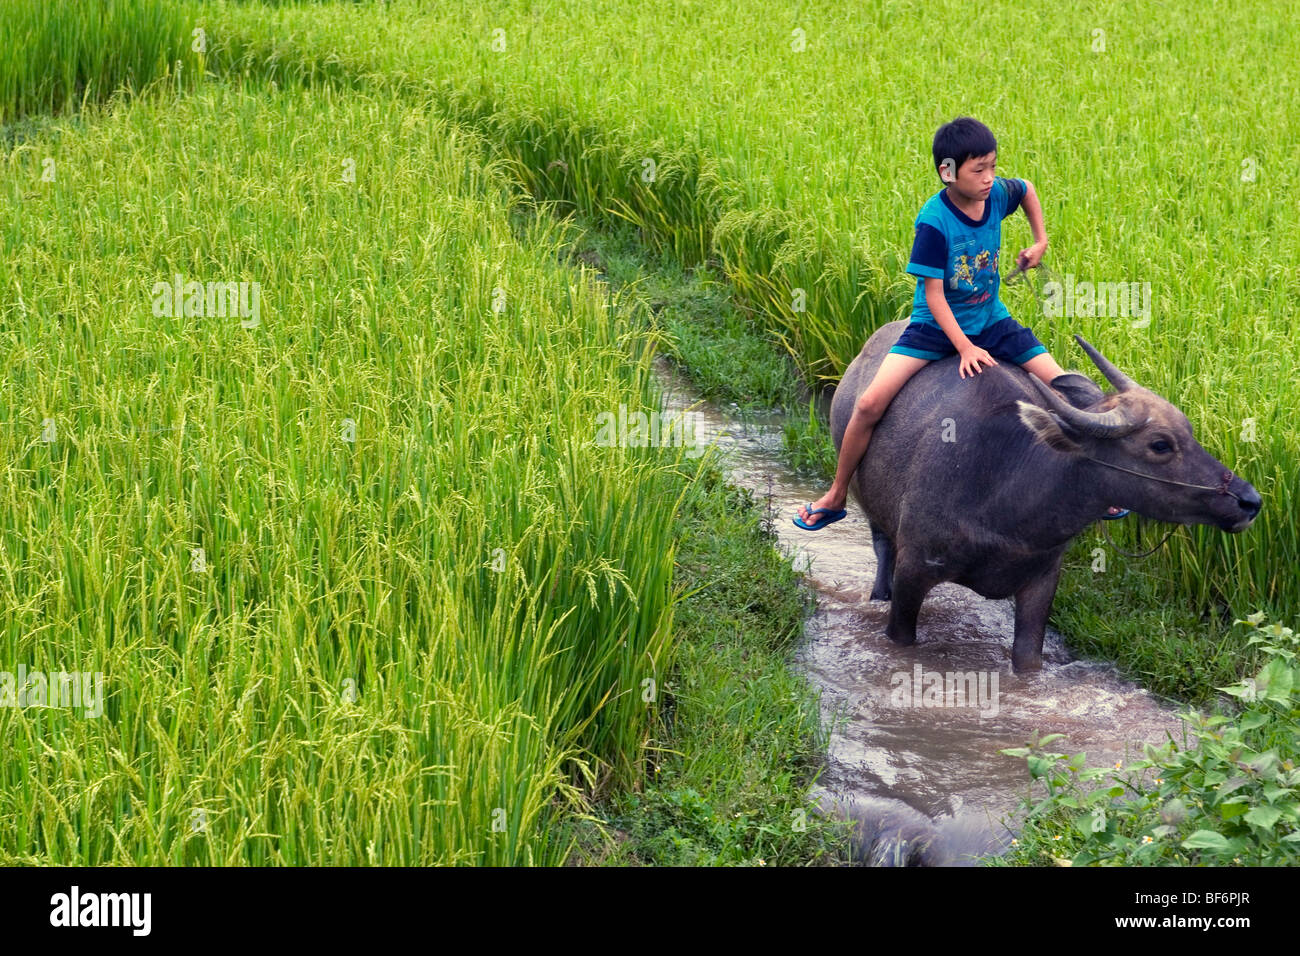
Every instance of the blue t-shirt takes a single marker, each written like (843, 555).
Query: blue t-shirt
(949, 245)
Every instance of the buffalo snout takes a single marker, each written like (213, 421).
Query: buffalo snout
(1248, 506)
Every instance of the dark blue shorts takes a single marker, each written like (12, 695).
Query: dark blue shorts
(1006, 340)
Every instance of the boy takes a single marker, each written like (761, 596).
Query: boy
(956, 306)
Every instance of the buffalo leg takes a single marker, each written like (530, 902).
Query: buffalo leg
(911, 584)
(884, 549)
(1033, 604)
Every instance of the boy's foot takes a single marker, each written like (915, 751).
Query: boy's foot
(832, 517)
(1112, 513)
(818, 514)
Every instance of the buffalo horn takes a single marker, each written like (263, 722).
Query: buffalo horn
(1113, 375)
(1108, 424)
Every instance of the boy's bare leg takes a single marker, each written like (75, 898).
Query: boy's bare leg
(895, 369)
(1044, 366)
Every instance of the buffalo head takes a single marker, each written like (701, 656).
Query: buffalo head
(1142, 449)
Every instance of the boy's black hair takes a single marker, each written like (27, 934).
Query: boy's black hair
(961, 139)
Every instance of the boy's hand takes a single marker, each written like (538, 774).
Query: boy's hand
(970, 361)
(1031, 257)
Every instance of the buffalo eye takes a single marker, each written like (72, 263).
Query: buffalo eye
(1160, 446)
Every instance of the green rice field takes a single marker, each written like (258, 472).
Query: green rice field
(299, 393)
(348, 573)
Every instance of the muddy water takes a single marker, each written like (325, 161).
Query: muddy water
(925, 783)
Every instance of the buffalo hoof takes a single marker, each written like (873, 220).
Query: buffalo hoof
(1026, 663)
(881, 593)
(901, 637)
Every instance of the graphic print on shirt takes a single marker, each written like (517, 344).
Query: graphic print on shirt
(972, 274)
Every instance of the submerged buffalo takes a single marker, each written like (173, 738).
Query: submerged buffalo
(984, 480)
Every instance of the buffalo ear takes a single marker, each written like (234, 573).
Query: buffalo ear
(1046, 427)
(1079, 390)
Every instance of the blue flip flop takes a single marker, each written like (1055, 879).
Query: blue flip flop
(834, 517)
(1115, 517)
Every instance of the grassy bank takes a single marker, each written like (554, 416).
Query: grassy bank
(709, 339)
(1222, 793)
(739, 739)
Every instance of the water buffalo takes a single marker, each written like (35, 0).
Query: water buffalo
(984, 480)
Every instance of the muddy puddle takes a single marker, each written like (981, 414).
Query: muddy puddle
(926, 783)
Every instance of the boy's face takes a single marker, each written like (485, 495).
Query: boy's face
(975, 177)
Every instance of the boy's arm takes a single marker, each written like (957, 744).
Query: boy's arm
(942, 313)
(971, 354)
(1030, 257)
